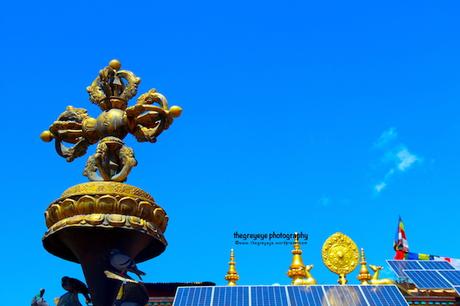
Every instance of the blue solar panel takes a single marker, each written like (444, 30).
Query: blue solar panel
(197, 296)
(427, 279)
(330, 295)
(224, 296)
(453, 276)
(399, 265)
(308, 296)
(344, 295)
(385, 295)
(268, 296)
(435, 265)
(238, 296)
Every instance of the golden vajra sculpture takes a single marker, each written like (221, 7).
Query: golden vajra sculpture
(340, 255)
(111, 91)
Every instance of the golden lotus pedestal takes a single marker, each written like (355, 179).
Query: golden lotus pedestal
(91, 219)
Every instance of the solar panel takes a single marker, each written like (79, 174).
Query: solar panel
(344, 295)
(317, 295)
(238, 295)
(268, 296)
(453, 276)
(435, 265)
(399, 265)
(308, 296)
(197, 296)
(427, 279)
(383, 295)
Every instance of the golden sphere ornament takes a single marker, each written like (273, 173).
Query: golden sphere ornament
(46, 136)
(115, 64)
(175, 111)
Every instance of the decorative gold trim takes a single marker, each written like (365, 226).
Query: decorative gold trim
(108, 220)
(115, 204)
(106, 188)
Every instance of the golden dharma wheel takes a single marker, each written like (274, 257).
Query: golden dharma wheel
(340, 254)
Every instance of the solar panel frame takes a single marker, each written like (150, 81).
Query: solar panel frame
(435, 265)
(383, 295)
(344, 295)
(397, 266)
(428, 279)
(452, 276)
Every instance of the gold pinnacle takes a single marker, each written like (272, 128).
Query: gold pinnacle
(232, 276)
(364, 275)
(297, 268)
(298, 272)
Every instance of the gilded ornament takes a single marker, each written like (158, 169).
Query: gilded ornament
(106, 201)
(340, 255)
(298, 271)
(91, 219)
(375, 280)
(104, 205)
(363, 276)
(46, 136)
(111, 91)
(232, 275)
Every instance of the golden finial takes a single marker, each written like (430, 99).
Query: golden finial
(232, 276)
(299, 273)
(297, 268)
(363, 275)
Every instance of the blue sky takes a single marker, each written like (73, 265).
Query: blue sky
(298, 116)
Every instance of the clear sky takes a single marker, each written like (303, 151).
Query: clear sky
(313, 116)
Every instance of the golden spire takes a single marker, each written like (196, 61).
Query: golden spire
(364, 276)
(297, 268)
(232, 276)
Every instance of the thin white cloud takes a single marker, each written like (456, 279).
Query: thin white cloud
(380, 186)
(406, 159)
(387, 136)
(397, 155)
